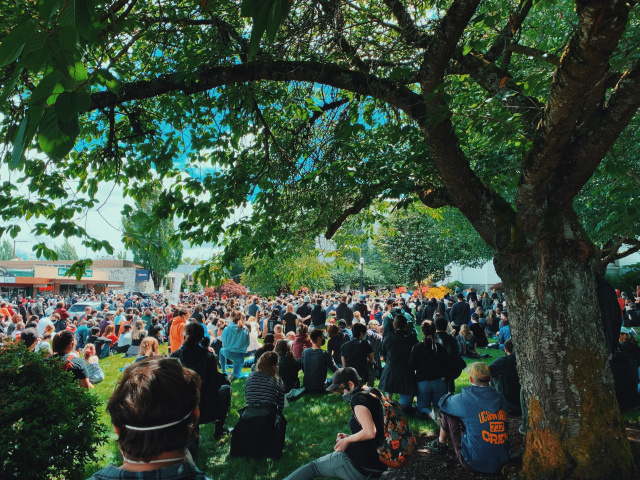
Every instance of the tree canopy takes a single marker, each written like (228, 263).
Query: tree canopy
(6, 251)
(503, 110)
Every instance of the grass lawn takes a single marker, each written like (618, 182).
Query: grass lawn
(313, 422)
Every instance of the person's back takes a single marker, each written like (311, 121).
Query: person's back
(460, 313)
(484, 446)
(315, 363)
(506, 380)
(344, 312)
(318, 316)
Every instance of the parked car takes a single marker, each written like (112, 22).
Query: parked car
(78, 308)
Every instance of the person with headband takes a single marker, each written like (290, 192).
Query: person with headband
(154, 411)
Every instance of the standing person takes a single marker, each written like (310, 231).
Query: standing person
(318, 316)
(460, 313)
(215, 392)
(429, 361)
(357, 353)
(304, 311)
(355, 456)
(505, 379)
(290, 320)
(153, 436)
(397, 376)
(254, 307)
(344, 311)
(476, 421)
(235, 341)
(176, 333)
(455, 362)
(361, 307)
(315, 363)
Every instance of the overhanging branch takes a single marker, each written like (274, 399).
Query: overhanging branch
(280, 71)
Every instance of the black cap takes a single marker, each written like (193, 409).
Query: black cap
(343, 376)
(29, 336)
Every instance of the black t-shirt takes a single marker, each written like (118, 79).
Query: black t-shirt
(72, 364)
(289, 320)
(355, 353)
(365, 454)
(477, 329)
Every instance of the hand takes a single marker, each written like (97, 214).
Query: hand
(342, 444)
(341, 436)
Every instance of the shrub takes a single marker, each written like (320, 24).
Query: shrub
(453, 285)
(49, 426)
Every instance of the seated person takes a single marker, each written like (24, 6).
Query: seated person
(301, 341)
(625, 379)
(478, 331)
(355, 456)
(261, 430)
(153, 435)
(63, 345)
(215, 394)
(288, 366)
(505, 379)
(124, 340)
(476, 421)
(96, 375)
(101, 344)
(315, 363)
(148, 348)
(357, 353)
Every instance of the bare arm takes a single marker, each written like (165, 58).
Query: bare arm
(363, 415)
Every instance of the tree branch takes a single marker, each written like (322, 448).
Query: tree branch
(534, 52)
(582, 69)
(444, 41)
(588, 150)
(508, 31)
(411, 33)
(210, 77)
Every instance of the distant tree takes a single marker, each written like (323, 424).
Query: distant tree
(122, 255)
(150, 239)
(66, 251)
(6, 251)
(418, 243)
(287, 272)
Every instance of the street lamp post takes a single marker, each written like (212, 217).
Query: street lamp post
(361, 275)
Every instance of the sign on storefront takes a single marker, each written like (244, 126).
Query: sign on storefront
(62, 272)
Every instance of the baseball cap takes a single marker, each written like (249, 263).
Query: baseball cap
(342, 377)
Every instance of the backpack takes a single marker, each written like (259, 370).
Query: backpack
(462, 345)
(61, 325)
(398, 443)
(67, 365)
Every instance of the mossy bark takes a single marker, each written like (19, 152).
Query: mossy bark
(575, 430)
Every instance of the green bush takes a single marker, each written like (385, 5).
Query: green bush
(49, 426)
(453, 285)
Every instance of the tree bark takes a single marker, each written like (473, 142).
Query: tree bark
(575, 429)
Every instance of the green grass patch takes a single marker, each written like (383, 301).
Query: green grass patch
(313, 423)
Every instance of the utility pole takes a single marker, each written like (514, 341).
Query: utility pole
(361, 275)
(14, 246)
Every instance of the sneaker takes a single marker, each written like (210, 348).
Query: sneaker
(437, 447)
(230, 377)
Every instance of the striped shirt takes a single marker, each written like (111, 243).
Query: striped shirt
(264, 389)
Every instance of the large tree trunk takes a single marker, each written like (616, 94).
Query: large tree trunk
(575, 426)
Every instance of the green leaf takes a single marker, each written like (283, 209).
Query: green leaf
(13, 44)
(467, 48)
(19, 143)
(248, 8)
(78, 72)
(275, 19)
(260, 20)
(45, 88)
(66, 106)
(52, 139)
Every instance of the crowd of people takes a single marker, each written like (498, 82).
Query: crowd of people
(339, 342)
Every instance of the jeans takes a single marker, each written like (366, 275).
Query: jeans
(406, 400)
(236, 358)
(335, 464)
(430, 392)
